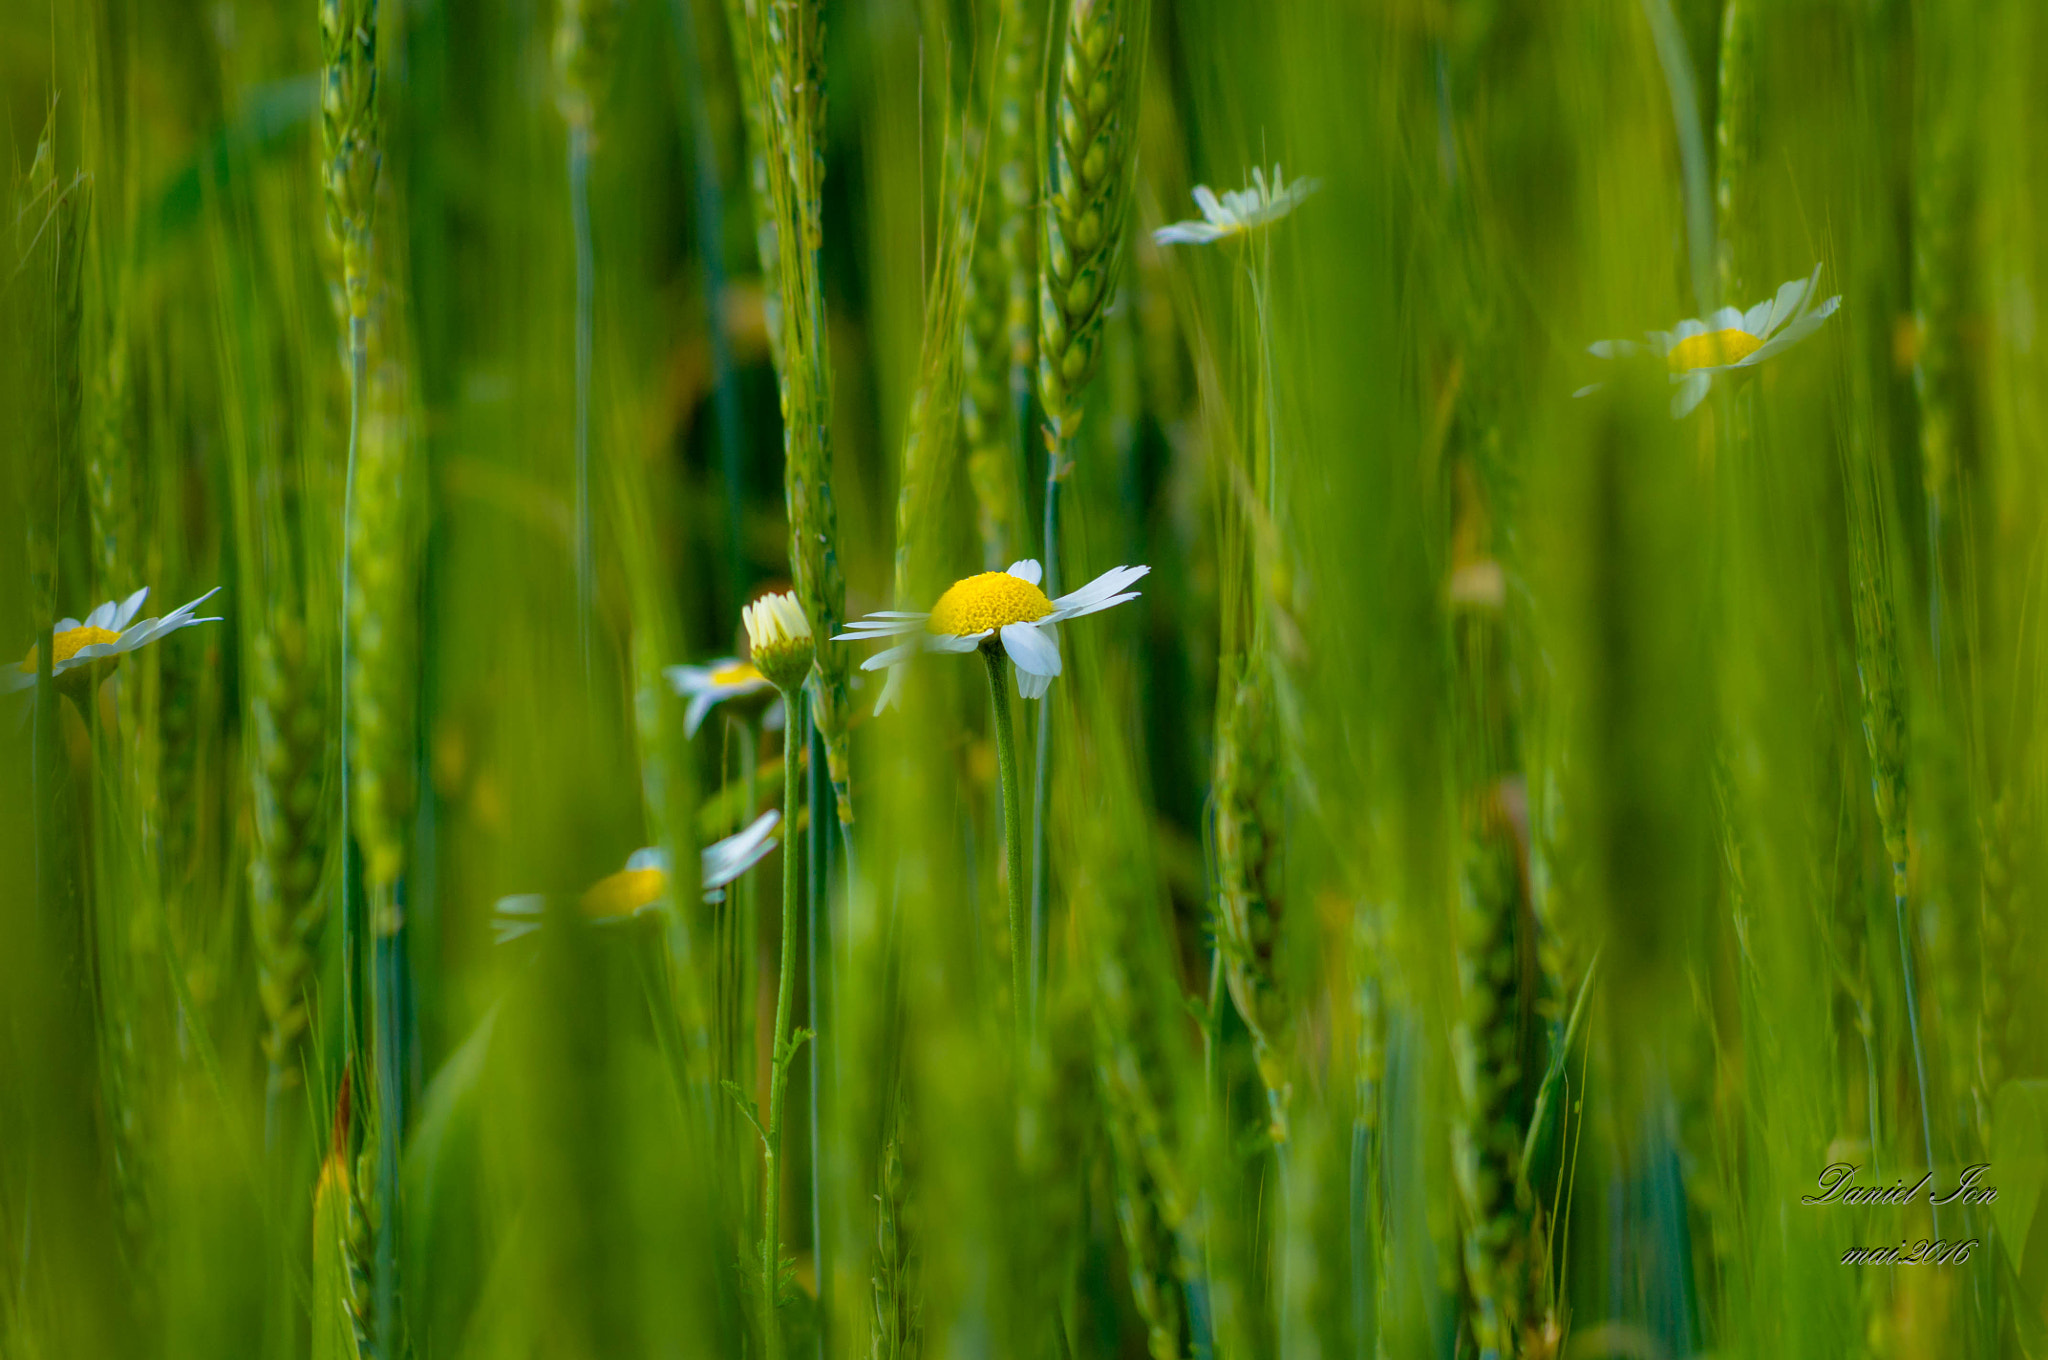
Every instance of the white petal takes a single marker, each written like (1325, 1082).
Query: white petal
(878, 626)
(1032, 648)
(700, 708)
(183, 613)
(520, 904)
(1026, 569)
(13, 680)
(891, 690)
(1790, 294)
(130, 607)
(726, 860)
(1687, 329)
(504, 929)
(1757, 318)
(1791, 335)
(149, 630)
(688, 679)
(1186, 234)
(103, 617)
(1031, 686)
(946, 642)
(1691, 392)
(1107, 584)
(1205, 199)
(1726, 319)
(893, 656)
(92, 653)
(1611, 349)
(1102, 592)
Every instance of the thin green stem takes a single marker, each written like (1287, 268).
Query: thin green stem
(387, 1013)
(778, 1068)
(1041, 773)
(1913, 1025)
(351, 912)
(817, 903)
(579, 216)
(1269, 469)
(44, 776)
(1013, 827)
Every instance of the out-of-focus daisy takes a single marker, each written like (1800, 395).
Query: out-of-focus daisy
(708, 686)
(1239, 212)
(996, 608)
(88, 651)
(640, 884)
(1730, 341)
(778, 639)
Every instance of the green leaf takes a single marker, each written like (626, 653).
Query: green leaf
(2019, 1159)
(2026, 1311)
(747, 1108)
(443, 1137)
(1539, 1143)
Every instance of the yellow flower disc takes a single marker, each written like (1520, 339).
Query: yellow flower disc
(738, 673)
(1712, 348)
(623, 893)
(991, 600)
(67, 643)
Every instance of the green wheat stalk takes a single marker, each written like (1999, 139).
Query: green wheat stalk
(1083, 214)
(997, 339)
(583, 37)
(1735, 135)
(352, 156)
(785, 43)
(1881, 679)
(742, 23)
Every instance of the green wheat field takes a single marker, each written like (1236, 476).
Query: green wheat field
(1023, 678)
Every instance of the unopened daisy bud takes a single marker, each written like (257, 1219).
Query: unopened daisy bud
(780, 638)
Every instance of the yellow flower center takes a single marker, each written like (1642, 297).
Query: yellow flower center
(738, 673)
(623, 893)
(991, 600)
(65, 645)
(1711, 348)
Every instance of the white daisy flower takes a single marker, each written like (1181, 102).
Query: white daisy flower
(995, 605)
(640, 884)
(708, 686)
(1240, 211)
(106, 634)
(1729, 341)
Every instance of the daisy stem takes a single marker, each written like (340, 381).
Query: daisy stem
(1041, 771)
(1013, 827)
(778, 1070)
(818, 898)
(579, 216)
(1913, 1024)
(351, 911)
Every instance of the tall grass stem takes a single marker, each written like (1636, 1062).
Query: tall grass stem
(1013, 832)
(586, 303)
(783, 1050)
(1913, 1025)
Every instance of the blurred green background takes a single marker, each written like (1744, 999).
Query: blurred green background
(1512, 847)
